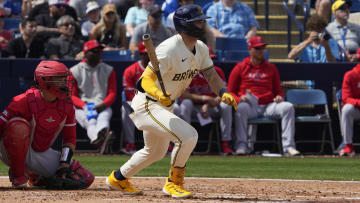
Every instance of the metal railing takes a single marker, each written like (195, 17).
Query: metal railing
(266, 12)
(292, 17)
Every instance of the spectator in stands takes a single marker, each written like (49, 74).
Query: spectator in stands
(230, 18)
(80, 6)
(47, 16)
(255, 84)
(207, 6)
(130, 77)
(351, 106)
(346, 34)
(169, 6)
(355, 12)
(66, 46)
(208, 38)
(122, 7)
(110, 31)
(5, 35)
(153, 26)
(323, 9)
(28, 5)
(93, 93)
(137, 15)
(28, 45)
(199, 99)
(9, 8)
(93, 14)
(316, 48)
(42, 7)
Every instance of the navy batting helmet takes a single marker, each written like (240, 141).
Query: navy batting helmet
(185, 15)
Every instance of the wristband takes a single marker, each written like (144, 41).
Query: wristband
(222, 91)
(66, 155)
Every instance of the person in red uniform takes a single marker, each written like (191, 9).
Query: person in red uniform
(198, 98)
(130, 78)
(255, 84)
(94, 93)
(351, 104)
(32, 121)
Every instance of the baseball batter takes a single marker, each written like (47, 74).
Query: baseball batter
(181, 57)
(31, 123)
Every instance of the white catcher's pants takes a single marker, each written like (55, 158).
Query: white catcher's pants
(349, 113)
(284, 110)
(159, 126)
(93, 126)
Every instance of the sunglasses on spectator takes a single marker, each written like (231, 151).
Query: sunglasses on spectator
(68, 24)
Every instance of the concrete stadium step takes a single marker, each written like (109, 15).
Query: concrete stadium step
(278, 22)
(275, 8)
(281, 60)
(278, 51)
(278, 37)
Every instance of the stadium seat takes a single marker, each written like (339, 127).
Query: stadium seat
(117, 55)
(237, 55)
(276, 139)
(231, 44)
(310, 99)
(12, 24)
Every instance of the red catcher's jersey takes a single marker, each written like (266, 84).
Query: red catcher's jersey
(130, 77)
(49, 118)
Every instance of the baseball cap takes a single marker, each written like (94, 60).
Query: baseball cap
(211, 53)
(91, 44)
(141, 47)
(109, 8)
(256, 41)
(190, 13)
(91, 5)
(154, 11)
(57, 2)
(338, 4)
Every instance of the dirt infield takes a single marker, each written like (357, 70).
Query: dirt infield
(204, 189)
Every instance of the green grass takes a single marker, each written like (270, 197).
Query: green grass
(306, 168)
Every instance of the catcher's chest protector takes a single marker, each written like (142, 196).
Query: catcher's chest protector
(48, 117)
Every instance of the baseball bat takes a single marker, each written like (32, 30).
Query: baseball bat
(154, 61)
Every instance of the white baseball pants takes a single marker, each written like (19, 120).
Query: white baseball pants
(349, 113)
(284, 110)
(159, 126)
(94, 126)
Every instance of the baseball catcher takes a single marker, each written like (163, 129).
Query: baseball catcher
(30, 124)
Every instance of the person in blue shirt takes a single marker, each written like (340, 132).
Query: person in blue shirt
(318, 47)
(230, 18)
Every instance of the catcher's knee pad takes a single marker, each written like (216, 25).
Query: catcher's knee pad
(17, 142)
(88, 176)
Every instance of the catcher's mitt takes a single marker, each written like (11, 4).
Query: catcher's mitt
(65, 179)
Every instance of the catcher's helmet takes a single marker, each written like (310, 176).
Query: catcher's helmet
(54, 77)
(185, 15)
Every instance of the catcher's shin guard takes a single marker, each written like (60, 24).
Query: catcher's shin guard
(87, 175)
(17, 142)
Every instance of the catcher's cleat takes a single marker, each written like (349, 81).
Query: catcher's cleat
(121, 185)
(174, 190)
(20, 183)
